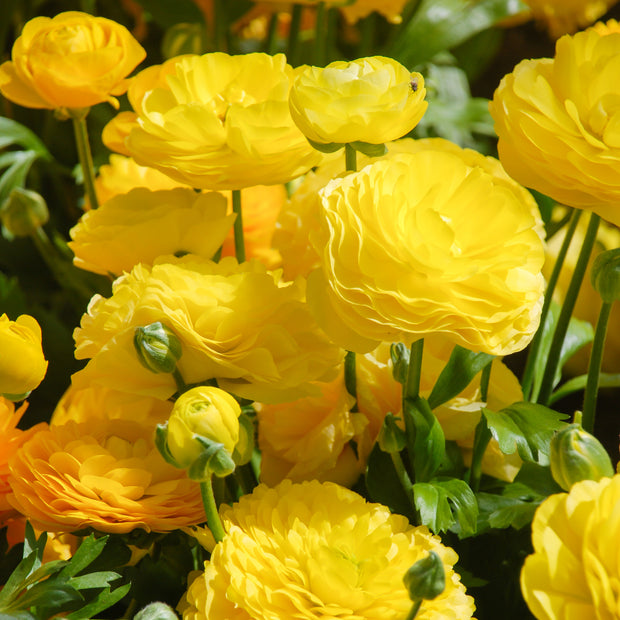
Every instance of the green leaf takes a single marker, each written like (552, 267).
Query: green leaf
(13, 585)
(49, 596)
(429, 443)
(331, 147)
(16, 173)
(100, 579)
(457, 374)
(90, 549)
(463, 503)
(431, 501)
(577, 384)
(13, 133)
(102, 601)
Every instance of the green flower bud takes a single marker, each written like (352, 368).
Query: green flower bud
(158, 347)
(576, 455)
(156, 611)
(391, 437)
(399, 354)
(23, 212)
(426, 579)
(605, 275)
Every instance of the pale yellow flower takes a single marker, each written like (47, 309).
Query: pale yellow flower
(372, 100)
(270, 354)
(574, 570)
(142, 225)
(107, 475)
(558, 122)
(318, 550)
(73, 60)
(403, 256)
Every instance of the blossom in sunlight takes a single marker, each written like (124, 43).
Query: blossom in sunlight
(272, 353)
(370, 100)
(217, 121)
(22, 363)
(317, 550)
(142, 225)
(574, 570)
(404, 256)
(105, 474)
(73, 60)
(558, 122)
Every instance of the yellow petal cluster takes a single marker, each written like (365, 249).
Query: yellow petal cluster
(270, 354)
(142, 225)
(219, 122)
(403, 255)
(574, 570)
(22, 363)
(107, 475)
(317, 550)
(73, 60)
(372, 100)
(558, 122)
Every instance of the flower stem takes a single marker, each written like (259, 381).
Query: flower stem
(404, 479)
(534, 350)
(293, 35)
(413, 612)
(350, 157)
(213, 518)
(178, 379)
(570, 299)
(238, 226)
(412, 386)
(594, 368)
(320, 34)
(271, 42)
(482, 438)
(86, 159)
(350, 379)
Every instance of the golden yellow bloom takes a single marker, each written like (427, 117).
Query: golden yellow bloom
(371, 100)
(205, 411)
(22, 363)
(403, 255)
(142, 225)
(219, 122)
(574, 570)
(107, 475)
(270, 354)
(559, 126)
(73, 60)
(318, 550)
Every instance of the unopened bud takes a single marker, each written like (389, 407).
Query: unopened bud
(399, 354)
(391, 437)
(605, 275)
(23, 212)
(158, 347)
(426, 579)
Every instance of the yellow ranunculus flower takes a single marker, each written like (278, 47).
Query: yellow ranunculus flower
(22, 362)
(73, 60)
(218, 121)
(142, 225)
(372, 100)
(558, 122)
(318, 550)
(205, 411)
(575, 568)
(270, 354)
(404, 255)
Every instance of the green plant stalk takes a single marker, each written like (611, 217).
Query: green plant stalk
(320, 34)
(221, 26)
(482, 438)
(368, 27)
(485, 378)
(568, 305)
(178, 379)
(238, 226)
(213, 518)
(350, 157)
(534, 350)
(271, 43)
(413, 612)
(350, 378)
(293, 35)
(86, 159)
(404, 479)
(594, 368)
(411, 392)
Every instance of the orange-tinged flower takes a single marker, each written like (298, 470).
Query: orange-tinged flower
(318, 550)
(107, 475)
(73, 60)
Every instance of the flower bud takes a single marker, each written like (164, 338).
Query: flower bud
(23, 212)
(399, 354)
(605, 275)
(576, 455)
(391, 437)
(156, 611)
(158, 347)
(426, 579)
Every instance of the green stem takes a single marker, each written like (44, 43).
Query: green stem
(482, 438)
(594, 369)
(350, 378)
(293, 35)
(367, 33)
(220, 25)
(412, 385)
(238, 226)
(570, 299)
(404, 479)
(178, 379)
(350, 158)
(485, 378)
(413, 612)
(86, 159)
(213, 518)
(320, 35)
(534, 350)
(271, 43)
(245, 477)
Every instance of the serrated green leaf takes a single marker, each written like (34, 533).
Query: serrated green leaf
(15, 175)
(102, 601)
(12, 132)
(90, 549)
(497, 511)
(49, 596)
(431, 502)
(99, 579)
(429, 441)
(464, 504)
(457, 374)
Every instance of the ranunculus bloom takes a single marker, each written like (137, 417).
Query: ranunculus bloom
(219, 122)
(558, 122)
(575, 568)
(371, 100)
(107, 475)
(22, 363)
(318, 550)
(142, 225)
(73, 60)
(271, 353)
(404, 255)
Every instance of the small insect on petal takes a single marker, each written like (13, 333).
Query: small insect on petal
(414, 85)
